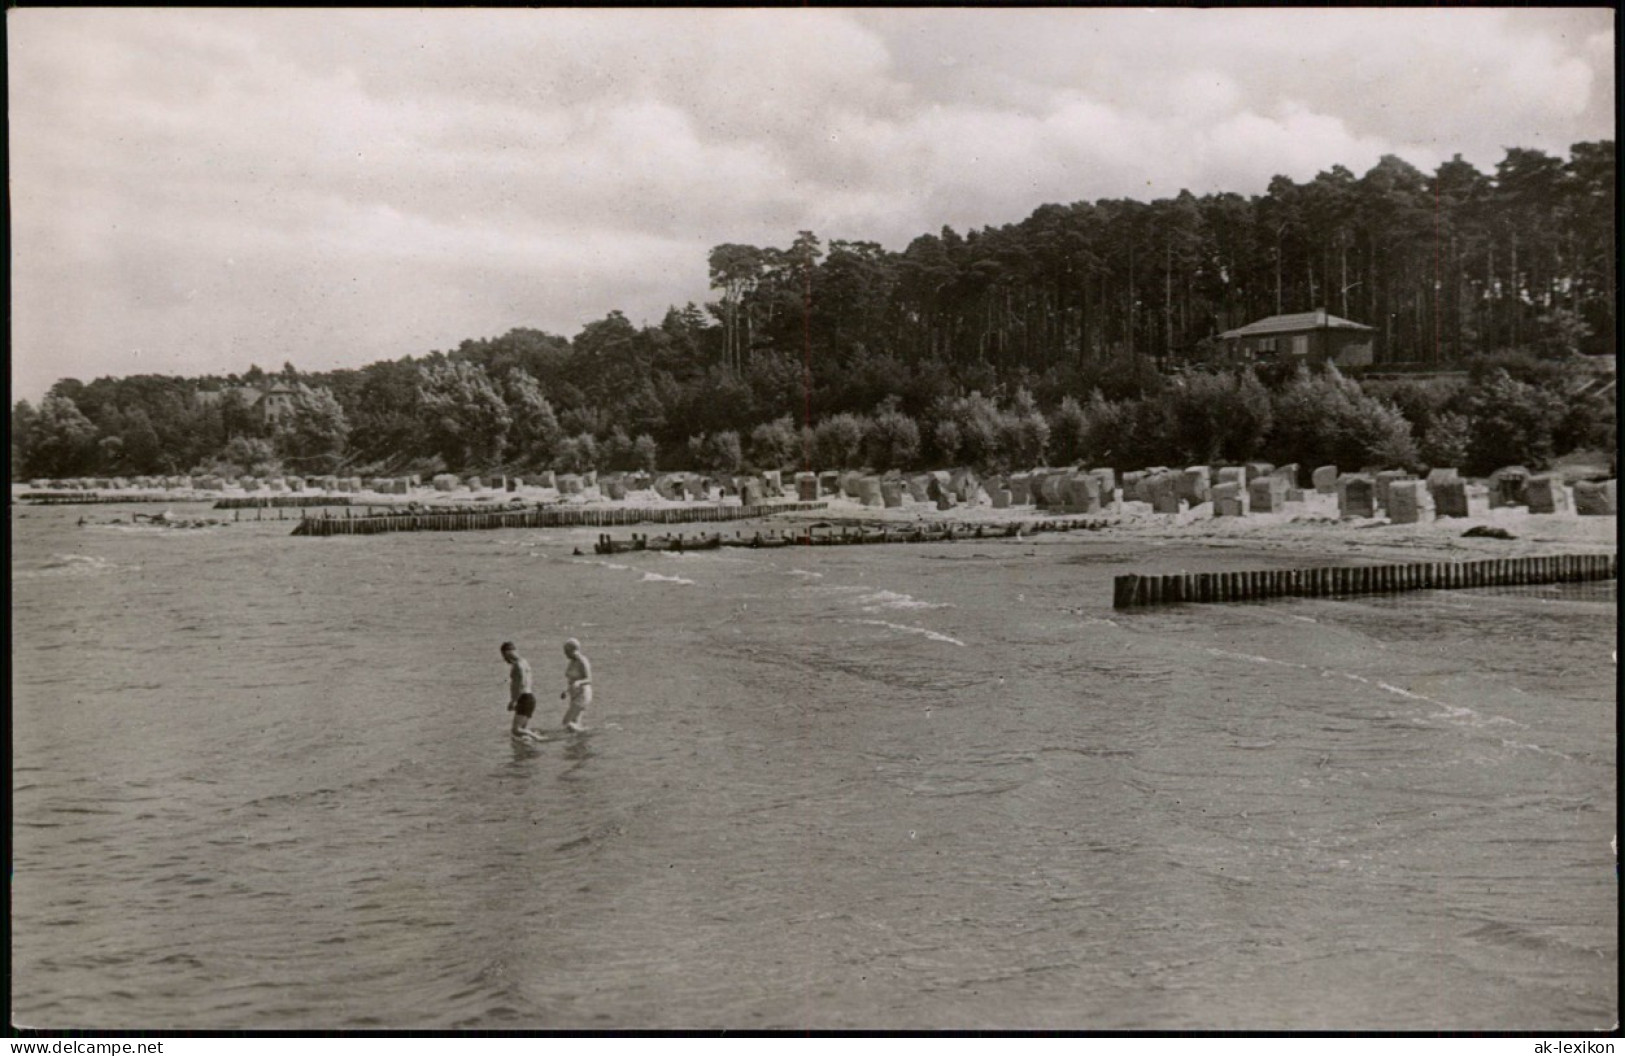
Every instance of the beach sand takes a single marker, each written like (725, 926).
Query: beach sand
(1311, 526)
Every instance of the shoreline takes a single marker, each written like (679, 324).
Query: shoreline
(1311, 526)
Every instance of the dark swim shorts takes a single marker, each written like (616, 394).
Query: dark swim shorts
(525, 705)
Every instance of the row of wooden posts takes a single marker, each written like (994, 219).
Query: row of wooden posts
(250, 502)
(554, 517)
(1133, 591)
(84, 498)
(850, 532)
(235, 502)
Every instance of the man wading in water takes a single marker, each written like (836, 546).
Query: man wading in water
(578, 685)
(521, 696)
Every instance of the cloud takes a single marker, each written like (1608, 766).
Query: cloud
(197, 189)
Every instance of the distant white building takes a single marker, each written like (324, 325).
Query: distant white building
(268, 405)
(274, 403)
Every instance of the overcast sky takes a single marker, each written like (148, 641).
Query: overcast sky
(193, 191)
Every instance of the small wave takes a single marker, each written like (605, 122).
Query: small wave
(184, 959)
(1254, 658)
(1501, 933)
(1447, 710)
(1454, 711)
(933, 635)
(707, 556)
(805, 573)
(159, 529)
(1521, 746)
(656, 577)
(70, 565)
(888, 599)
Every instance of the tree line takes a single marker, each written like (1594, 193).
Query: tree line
(1084, 332)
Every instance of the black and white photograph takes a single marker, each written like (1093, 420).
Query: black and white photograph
(1084, 520)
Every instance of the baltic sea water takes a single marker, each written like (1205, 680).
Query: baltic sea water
(265, 782)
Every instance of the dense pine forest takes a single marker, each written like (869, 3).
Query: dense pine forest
(1084, 332)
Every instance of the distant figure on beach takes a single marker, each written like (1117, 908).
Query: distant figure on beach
(577, 684)
(521, 693)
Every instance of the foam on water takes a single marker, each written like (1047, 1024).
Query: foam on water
(74, 565)
(887, 599)
(924, 631)
(712, 557)
(1446, 709)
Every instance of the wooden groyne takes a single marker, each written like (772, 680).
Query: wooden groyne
(1134, 591)
(774, 540)
(850, 532)
(90, 498)
(675, 543)
(254, 502)
(544, 517)
(996, 529)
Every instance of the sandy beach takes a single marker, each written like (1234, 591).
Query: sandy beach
(1311, 527)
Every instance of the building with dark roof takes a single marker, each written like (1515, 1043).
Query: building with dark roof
(1306, 337)
(267, 405)
(274, 403)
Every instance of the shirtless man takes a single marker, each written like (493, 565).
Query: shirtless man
(521, 695)
(578, 685)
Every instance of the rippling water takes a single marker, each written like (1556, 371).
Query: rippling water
(263, 782)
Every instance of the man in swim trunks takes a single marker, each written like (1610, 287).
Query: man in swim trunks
(521, 693)
(577, 685)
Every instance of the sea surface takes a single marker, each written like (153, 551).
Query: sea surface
(266, 782)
